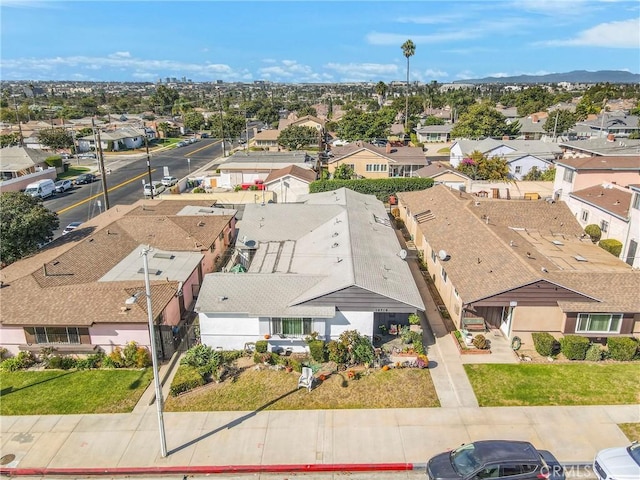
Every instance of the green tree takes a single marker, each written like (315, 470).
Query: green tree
(559, 122)
(84, 132)
(431, 120)
(481, 121)
(193, 120)
(9, 140)
(479, 167)
(358, 125)
(232, 125)
(163, 98)
(343, 172)
(381, 91)
(533, 99)
(268, 114)
(535, 175)
(408, 50)
(164, 128)
(25, 224)
(56, 138)
(307, 110)
(296, 137)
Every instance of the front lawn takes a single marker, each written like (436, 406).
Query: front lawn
(73, 172)
(555, 384)
(277, 390)
(51, 392)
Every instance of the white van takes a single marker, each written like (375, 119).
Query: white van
(42, 188)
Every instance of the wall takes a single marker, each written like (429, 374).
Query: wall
(20, 183)
(618, 229)
(229, 332)
(11, 338)
(109, 336)
(359, 160)
(287, 190)
(343, 321)
(537, 319)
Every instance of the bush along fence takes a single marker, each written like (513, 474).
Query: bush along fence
(577, 347)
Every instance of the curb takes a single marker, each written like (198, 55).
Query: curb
(211, 469)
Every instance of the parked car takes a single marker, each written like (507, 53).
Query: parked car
(71, 227)
(621, 463)
(495, 460)
(378, 142)
(204, 135)
(339, 142)
(181, 144)
(87, 155)
(41, 189)
(169, 181)
(85, 178)
(63, 185)
(157, 189)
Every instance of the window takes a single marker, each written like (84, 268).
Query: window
(57, 335)
(444, 275)
(518, 169)
(294, 327)
(433, 255)
(598, 323)
(568, 175)
(636, 201)
(376, 167)
(584, 215)
(604, 226)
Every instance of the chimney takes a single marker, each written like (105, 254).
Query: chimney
(611, 137)
(534, 118)
(388, 147)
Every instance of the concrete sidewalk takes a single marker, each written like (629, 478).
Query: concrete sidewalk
(319, 438)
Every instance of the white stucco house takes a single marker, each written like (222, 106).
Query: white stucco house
(289, 183)
(328, 264)
(521, 155)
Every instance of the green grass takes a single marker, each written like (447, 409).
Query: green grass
(73, 172)
(557, 384)
(51, 392)
(277, 390)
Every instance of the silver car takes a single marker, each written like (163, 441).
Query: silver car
(621, 463)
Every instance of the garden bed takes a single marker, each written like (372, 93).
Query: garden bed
(465, 350)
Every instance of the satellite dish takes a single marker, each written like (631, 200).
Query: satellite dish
(443, 255)
(250, 243)
(402, 254)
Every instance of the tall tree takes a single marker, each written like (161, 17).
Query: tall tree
(193, 120)
(25, 224)
(481, 121)
(479, 167)
(381, 91)
(297, 137)
(56, 138)
(408, 50)
(559, 122)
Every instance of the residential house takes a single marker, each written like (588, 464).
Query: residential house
(127, 138)
(369, 161)
(289, 183)
(86, 291)
(609, 206)
(520, 266)
(600, 147)
(531, 127)
(618, 124)
(248, 168)
(19, 161)
(442, 173)
(578, 173)
(329, 264)
(434, 133)
(521, 155)
(266, 140)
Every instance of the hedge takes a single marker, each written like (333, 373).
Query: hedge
(622, 348)
(186, 378)
(317, 351)
(545, 344)
(380, 187)
(574, 347)
(611, 245)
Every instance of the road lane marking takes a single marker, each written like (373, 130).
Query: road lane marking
(93, 197)
(202, 148)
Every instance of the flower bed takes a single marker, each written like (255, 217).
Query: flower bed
(464, 350)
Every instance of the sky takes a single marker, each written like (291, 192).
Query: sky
(300, 41)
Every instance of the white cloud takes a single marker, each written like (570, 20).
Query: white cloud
(377, 38)
(429, 19)
(363, 69)
(431, 73)
(622, 34)
(120, 55)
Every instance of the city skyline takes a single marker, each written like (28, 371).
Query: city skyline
(313, 42)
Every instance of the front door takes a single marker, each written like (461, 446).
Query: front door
(505, 324)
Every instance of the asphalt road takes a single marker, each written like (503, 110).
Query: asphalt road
(125, 178)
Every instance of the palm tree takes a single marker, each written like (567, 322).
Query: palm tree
(409, 50)
(381, 90)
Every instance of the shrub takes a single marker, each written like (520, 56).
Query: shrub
(395, 212)
(594, 353)
(142, 358)
(545, 344)
(61, 362)
(91, 361)
(593, 231)
(622, 348)
(337, 352)
(198, 190)
(414, 319)
(186, 378)
(480, 342)
(261, 346)
(115, 358)
(130, 354)
(574, 347)
(4, 353)
(317, 351)
(295, 364)
(198, 356)
(611, 245)
(405, 334)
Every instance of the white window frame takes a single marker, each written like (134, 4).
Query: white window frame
(636, 201)
(443, 274)
(277, 327)
(518, 169)
(586, 317)
(584, 215)
(55, 335)
(604, 226)
(568, 175)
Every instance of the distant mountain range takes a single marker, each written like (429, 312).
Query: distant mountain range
(577, 76)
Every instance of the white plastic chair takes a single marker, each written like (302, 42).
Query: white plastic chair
(306, 378)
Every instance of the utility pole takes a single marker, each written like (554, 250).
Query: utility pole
(103, 175)
(224, 153)
(555, 126)
(146, 146)
(15, 104)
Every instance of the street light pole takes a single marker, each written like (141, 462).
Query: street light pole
(224, 153)
(154, 355)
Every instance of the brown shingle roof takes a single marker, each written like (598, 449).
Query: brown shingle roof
(602, 163)
(304, 174)
(614, 200)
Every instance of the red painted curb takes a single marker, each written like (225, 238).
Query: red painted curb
(210, 469)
